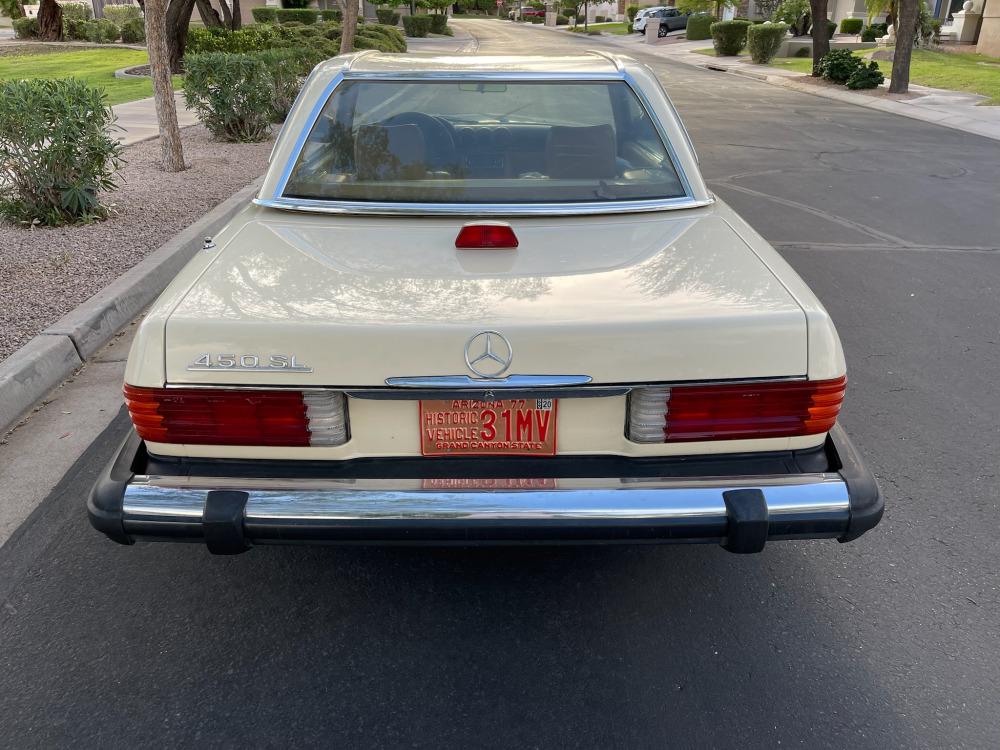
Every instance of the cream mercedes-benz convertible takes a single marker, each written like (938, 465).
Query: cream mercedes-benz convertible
(485, 299)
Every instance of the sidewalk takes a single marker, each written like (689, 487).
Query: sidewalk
(952, 109)
(137, 119)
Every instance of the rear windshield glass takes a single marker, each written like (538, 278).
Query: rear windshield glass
(483, 142)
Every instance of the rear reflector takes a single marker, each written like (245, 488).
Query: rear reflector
(734, 412)
(485, 236)
(219, 416)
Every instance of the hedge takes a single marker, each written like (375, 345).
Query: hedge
(26, 28)
(417, 26)
(331, 15)
(321, 40)
(302, 15)
(387, 16)
(729, 37)
(562, 21)
(851, 26)
(764, 40)
(134, 31)
(700, 27)
(439, 22)
(265, 15)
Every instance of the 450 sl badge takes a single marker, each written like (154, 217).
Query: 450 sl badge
(249, 363)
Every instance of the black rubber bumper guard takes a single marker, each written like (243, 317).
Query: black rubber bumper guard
(225, 529)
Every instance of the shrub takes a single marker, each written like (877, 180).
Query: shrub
(119, 14)
(866, 77)
(599, 19)
(101, 31)
(851, 26)
(133, 31)
(838, 65)
(700, 27)
(764, 40)
(265, 15)
(285, 68)
(302, 15)
(76, 12)
(417, 26)
(230, 94)
(729, 37)
(439, 22)
(331, 15)
(25, 28)
(56, 154)
(803, 52)
(796, 14)
(562, 21)
(75, 30)
(630, 12)
(387, 16)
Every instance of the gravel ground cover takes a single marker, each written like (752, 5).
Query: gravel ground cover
(45, 273)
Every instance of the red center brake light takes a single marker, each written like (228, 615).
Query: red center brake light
(218, 416)
(486, 236)
(735, 412)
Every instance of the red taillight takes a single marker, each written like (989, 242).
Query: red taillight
(736, 412)
(486, 236)
(236, 417)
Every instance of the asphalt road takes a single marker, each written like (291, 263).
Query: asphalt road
(892, 641)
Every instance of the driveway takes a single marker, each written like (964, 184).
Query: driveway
(889, 642)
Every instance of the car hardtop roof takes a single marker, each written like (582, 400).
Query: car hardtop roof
(371, 63)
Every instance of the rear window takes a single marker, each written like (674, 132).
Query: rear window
(483, 142)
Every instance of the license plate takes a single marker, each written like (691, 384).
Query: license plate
(511, 427)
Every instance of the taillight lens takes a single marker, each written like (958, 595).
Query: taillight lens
(217, 416)
(735, 412)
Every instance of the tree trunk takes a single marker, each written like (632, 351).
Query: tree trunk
(171, 151)
(227, 15)
(350, 24)
(820, 35)
(237, 16)
(50, 21)
(209, 15)
(906, 30)
(178, 17)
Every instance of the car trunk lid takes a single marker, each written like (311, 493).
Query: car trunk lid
(353, 301)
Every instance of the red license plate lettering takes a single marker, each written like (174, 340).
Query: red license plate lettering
(509, 427)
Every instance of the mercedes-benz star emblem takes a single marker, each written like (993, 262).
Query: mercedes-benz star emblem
(488, 354)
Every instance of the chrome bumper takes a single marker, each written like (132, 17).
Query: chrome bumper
(742, 512)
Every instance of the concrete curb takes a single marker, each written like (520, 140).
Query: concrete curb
(35, 369)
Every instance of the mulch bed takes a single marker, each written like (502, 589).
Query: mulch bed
(45, 273)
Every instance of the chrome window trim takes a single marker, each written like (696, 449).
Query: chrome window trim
(279, 201)
(300, 205)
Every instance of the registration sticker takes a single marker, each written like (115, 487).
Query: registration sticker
(508, 427)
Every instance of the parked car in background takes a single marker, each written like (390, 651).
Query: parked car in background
(643, 12)
(670, 19)
(526, 11)
(485, 299)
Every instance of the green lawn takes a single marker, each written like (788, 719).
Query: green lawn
(95, 66)
(621, 29)
(966, 71)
